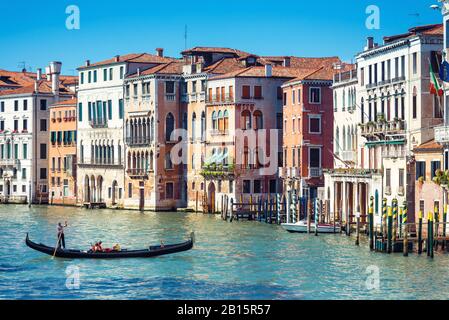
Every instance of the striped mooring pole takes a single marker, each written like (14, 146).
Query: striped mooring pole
(371, 224)
(395, 219)
(430, 243)
(404, 221)
(384, 217)
(278, 208)
(444, 225)
(420, 215)
(390, 229)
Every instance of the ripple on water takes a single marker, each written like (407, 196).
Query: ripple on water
(242, 260)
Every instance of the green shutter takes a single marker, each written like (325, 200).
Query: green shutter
(80, 112)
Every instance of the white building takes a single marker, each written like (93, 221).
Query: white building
(394, 113)
(101, 175)
(24, 136)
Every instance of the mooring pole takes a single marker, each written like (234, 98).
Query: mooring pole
(371, 223)
(384, 218)
(420, 215)
(390, 229)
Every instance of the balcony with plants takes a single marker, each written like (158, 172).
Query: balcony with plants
(382, 127)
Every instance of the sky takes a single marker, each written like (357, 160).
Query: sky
(35, 32)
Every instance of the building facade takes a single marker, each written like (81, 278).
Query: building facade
(101, 115)
(62, 153)
(24, 120)
(153, 112)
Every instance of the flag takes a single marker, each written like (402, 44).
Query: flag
(434, 85)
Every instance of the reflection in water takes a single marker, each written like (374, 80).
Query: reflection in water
(242, 260)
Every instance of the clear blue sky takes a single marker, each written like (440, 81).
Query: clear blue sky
(35, 32)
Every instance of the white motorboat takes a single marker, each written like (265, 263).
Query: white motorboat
(301, 227)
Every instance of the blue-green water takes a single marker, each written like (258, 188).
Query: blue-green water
(241, 260)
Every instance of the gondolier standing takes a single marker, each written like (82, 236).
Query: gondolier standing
(61, 237)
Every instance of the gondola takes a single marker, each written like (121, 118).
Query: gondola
(153, 251)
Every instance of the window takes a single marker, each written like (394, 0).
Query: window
(315, 158)
(246, 186)
(105, 74)
(258, 120)
(25, 125)
(89, 77)
(415, 103)
(273, 188)
(388, 178)
(420, 170)
(43, 124)
(314, 124)
(111, 72)
(169, 87)
(121, 110)
(130, 190)
(168, 162)
(16, 105)
(95, 75)
(437, 107)
(401, 178)
(110, 109)
(43, 105)
(16, 125)
(246, 92)
(258, 92)
(82, 77)
(435, 166)
(299, 96)
(169, 194)
(25, 105)
(43, 151)
(315, 96)
(362, 76)
(415, 63)
(25, 151)
(257, 186)
(80, 112)
(24, 173)
(122, 72)
(169, 126)
(214, 121)
(43, 173)
(279, 121)
(247, 123)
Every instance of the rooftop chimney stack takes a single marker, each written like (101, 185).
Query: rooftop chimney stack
(160, 52)
(55, 71)
(117, 58)
(48, 73)
(268, 70)
(138, 72)
(87, 63)
(287, 61)
(39, 74)
(369, 43)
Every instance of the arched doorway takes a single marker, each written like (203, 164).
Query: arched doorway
(8, 189)
(100, 189)
(114, 192)
(86, 190)
(93, 194)
(211, 198)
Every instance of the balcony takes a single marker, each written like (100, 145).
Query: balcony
(218, 172)
(216, 100)
(372, 129)
(345, 76)
(315, 172)
(290, 173)
(388, 190)
(137, 173)
(394, 154)
(401, 191)
(170, 96)
(442, 134)
(138, 141)
(9, 162)
(398, 79)
(101, 164)
(99, 123)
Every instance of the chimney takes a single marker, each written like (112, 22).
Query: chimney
(369, 43)
(286, 62)
(87, 63)
(138, 72)
(160, 52)
(55, 71)
(117, 58)
(36, 87)
(39, 74)
(268, 70)
(48, 73)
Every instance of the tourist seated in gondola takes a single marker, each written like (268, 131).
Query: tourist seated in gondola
(116, 248)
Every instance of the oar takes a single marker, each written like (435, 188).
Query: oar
(56, 247)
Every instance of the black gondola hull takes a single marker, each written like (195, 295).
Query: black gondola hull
(78, 254)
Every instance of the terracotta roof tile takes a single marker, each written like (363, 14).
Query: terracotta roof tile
(174, 67)
(237, 53)
(429, 146)
(431, 29)
(66, 103)
(132, 58)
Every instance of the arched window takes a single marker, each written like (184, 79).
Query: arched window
(337, 140)
(375, 108)
(388, 111)
(403, 104)
(203, 126)
(246, 117)
(194, 126)
(169, 126)
(225, 156)
(151, 161)
(226, 120)
(258, 120)
(344, 99)
(362, 113)
(152, 129)
(184, 121)
(344, 139)
(335, 100)
(415, 103)
(214, 121)
(396, 105)
(220, 121)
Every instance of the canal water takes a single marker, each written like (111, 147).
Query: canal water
(240, 260)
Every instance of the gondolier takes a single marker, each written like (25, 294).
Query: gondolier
(61, 237)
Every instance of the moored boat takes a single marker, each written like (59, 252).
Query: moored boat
(152, 251)
(301, 227)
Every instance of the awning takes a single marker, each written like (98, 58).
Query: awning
(372, 144)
